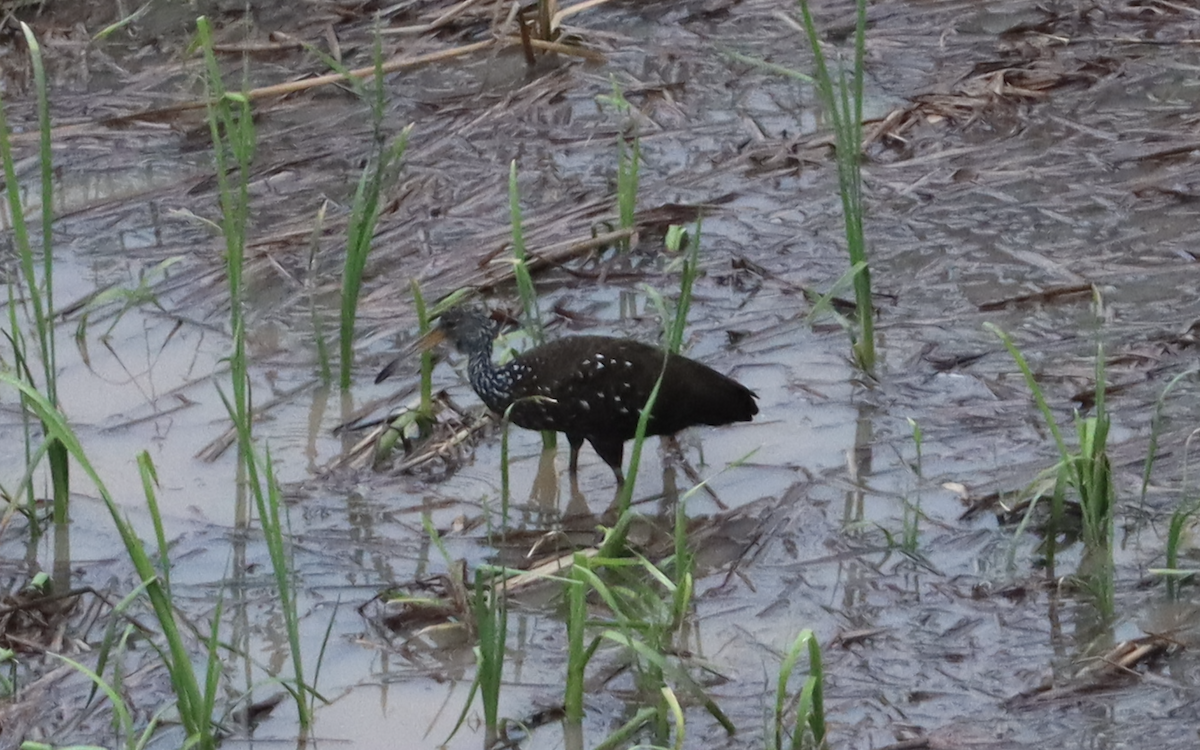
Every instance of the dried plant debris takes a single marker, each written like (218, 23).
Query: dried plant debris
(1127, 661)
(991, 96)
(37, 620)
(435, 610)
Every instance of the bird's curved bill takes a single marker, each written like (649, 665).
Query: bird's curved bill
(420, 346)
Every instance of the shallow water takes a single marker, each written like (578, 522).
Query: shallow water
(996, 196)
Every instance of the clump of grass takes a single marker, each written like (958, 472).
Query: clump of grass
(37, 294)
(647, 611)
(232, 130)
(364, 215)
(629, 156)
(1087, 471)
(491, 627)
(194, 699)
(1156, 428)
(807, 729)
(1189, 505)
(1181, 518)
(377, 174)
(843, 102)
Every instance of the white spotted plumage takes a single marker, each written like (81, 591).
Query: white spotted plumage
(572, 385)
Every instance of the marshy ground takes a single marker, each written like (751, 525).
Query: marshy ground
(1030, 165)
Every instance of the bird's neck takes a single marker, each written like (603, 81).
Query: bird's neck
(492, 383)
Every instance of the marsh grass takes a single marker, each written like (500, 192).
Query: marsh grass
(1087, 471)
(808, 728)
(1156, 425)
(379, 172)
(625, 734)
(843, 101)
(647, 612)
(424, 325)
(505, 474)
(912, 508)
(37, 295)
(364, 215)
(489, 624)
(1189, 505)
(8, 673)
(232, 130)
(526, 290)
(1181, 520)
(490, 609)
(123, 724)
(629, 156)
(316, 315)
(113, 303)
(578, 654)
(194, 699)
(674, 326)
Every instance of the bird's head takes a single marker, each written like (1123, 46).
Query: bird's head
(469, 327)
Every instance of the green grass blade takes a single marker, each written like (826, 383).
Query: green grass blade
(178, 663)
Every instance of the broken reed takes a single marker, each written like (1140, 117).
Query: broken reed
(36, 298)
(844, 104)
(231, 126)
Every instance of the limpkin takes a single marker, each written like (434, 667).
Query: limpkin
(591, 387)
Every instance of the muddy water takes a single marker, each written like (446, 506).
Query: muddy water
(1015, 164)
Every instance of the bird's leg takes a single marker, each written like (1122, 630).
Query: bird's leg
(576, 442)
(612, 451)
(675, 450)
